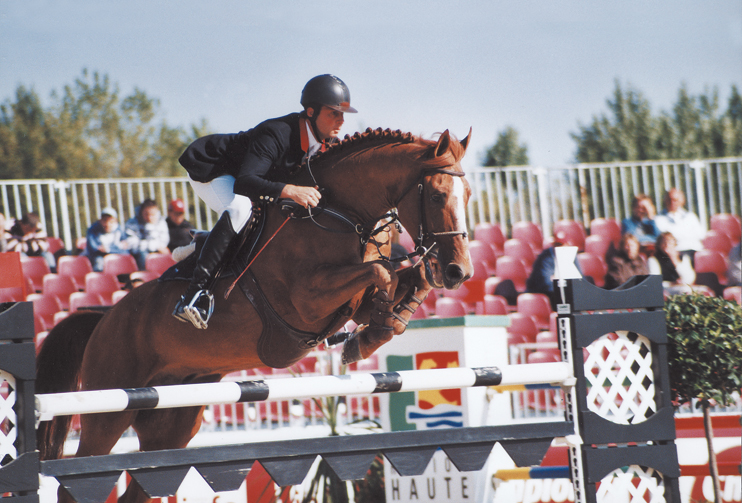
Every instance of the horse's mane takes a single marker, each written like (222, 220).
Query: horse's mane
(375, 137)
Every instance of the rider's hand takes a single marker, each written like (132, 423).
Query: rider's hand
(305, 196)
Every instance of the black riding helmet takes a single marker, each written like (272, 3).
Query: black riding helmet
(329, 91)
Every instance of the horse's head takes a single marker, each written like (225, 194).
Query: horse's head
(434, 213)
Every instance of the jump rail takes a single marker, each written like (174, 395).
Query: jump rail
(583, 321)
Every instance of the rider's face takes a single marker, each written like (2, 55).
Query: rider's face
(329, 122)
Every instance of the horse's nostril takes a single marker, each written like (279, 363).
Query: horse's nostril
(454, 273)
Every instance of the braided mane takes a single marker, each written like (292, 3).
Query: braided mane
(369, 136)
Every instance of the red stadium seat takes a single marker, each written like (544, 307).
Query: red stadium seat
(139, 277)
(513, 269)
(494, 304)
(76, 267)
(520, 249)
(490, 233)
(531, 233)
(119, 263)
(733, 293)
(159, 262)
(84, 299)
(711, 261)
(719, 241)
(608, 228)
(118, 295)
(523, 324)
(55, 244)
(59, 286)
(593, 266)
(729, 224)
(537, 306)
(420, 313)
(574, 230)
(597, 244)
(481, 251)
(447, 307)
(35, 268)
(102, 284)
(12, 279)
(45, 307)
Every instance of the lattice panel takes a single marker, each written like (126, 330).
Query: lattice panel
(8, 419)
(620, 380)
(633, 484)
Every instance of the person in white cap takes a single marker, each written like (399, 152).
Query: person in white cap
(103, 237)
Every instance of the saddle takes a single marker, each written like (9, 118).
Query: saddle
(280, 345)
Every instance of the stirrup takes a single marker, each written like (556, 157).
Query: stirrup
(200, 317)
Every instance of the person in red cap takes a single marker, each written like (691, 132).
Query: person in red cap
(230, 171)
(177, 225)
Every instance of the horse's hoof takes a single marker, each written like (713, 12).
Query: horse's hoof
(352, 350)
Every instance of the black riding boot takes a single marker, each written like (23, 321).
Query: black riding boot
(197, 304)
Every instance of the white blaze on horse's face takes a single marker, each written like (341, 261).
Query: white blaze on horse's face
(459, 192)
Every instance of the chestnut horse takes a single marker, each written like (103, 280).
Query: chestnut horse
(316, 274)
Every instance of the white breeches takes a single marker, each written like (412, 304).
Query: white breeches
(219, 195)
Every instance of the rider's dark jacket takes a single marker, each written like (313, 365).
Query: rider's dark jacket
(260, 159)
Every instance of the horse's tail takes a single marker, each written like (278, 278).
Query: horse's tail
(58, 370)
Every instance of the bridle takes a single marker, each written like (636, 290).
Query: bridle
(366, 231)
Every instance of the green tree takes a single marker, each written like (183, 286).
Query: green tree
(507, 151)
(89, 131)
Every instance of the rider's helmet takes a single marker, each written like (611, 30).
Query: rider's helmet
(329, 91)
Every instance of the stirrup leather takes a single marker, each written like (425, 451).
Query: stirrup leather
(196, 315)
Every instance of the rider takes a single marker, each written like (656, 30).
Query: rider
(228, 171)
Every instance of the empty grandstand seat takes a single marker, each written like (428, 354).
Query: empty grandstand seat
(158, 262)
(522, 250)
(608, 228)
(61, 287)
(728, 223)
(481, 251)
(711, 261)
(537, 306)
(45, 307)
(719, 241)
(597, 244)
(61, 315)
(139, 277)
(529, 232)
(55, 244)
(593, 266)
(513, 269)
(447, 307)
(118, 295)
(76, 267)
(85, 299)
(494, 304)
(103, 284)
(490, 233)
(574, 230)
(119, 263)
(523, 324)
(547, 336)
(733, 293)
(35, 268)
(12, 281)
(420, 313)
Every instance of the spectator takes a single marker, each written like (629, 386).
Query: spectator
(147, 232)
(103, 237)
(27, 237)
(676, 270)
(641, 224)
(179, 227)
(626, 262)
(541, 279)
(734, 273)
(683, 224)
(3, 237)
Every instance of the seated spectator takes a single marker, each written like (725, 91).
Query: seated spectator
(641, 224)
(147, 232)
(27, 237)
(734, 273)
(683, 224)
(541, 279)
(3, 237)
(676, 270)
(626, 262)
(178, 227)
(103, 237)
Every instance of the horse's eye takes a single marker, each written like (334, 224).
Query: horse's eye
(437, 198)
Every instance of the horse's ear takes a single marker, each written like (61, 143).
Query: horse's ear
(444, 142)
(465, 141)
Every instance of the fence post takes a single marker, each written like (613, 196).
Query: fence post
(698, 167)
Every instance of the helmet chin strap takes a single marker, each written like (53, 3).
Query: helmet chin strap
(313, 122)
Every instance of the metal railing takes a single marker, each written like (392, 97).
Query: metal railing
(505, 196)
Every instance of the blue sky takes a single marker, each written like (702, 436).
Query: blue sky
(420, 66)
